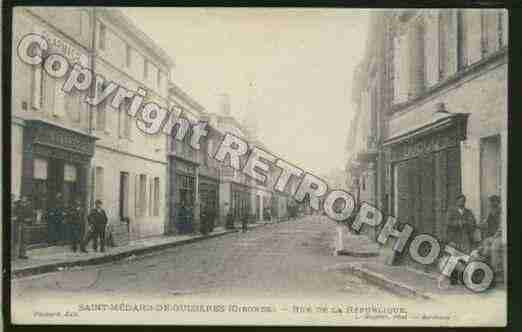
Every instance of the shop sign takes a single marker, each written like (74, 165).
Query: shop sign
(415, 147)
(64, 139)
(58, 45)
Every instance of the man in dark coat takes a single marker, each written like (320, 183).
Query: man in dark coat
(56, 221)
(75, 220)
(491, 225)
(244, 221)
(461, 224)
(23, 216)
(97, 220)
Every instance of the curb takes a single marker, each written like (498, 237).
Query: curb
(384, 282)
(359, 254)
(53, 267)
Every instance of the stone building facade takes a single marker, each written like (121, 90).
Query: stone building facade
(442, 117)
(62, 145)
(130, 168)
(52, 140)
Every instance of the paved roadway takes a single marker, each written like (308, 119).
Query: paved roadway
(289, 259)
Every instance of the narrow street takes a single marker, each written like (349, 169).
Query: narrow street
(289, 259)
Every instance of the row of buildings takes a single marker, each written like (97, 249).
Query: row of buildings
(432, 115)
(62, 145)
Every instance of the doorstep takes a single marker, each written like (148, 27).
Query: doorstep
(56, 258)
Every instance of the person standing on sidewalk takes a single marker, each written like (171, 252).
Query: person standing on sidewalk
(75, 220)
(55, 221)
(244, 221)
(24, 214)
(491, 224)
(461, 224)
(97, 220)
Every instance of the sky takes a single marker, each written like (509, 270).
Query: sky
(289, 69)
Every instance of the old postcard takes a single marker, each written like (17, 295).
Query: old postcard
(259, 166)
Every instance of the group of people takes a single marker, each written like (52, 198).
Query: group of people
(243, 217)
(477, 239)
(64, 224)
(464, 232)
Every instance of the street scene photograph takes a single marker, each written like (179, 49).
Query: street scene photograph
(258, 166)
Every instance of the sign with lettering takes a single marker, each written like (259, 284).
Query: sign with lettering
(64, 140)
(58, 45)
(414, 147)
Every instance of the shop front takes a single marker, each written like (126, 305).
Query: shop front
(423, 173)
(240, 201)
(55, 164)
(184, 193)
(208, 193)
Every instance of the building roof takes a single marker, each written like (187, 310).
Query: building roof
(177, 91)
(117, 17)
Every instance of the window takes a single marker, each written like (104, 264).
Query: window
(99, 182)
(503, 28)
(400, 64)
(84, 24)
(36, 87)
(40, 167)
(472, 38)
(431, 49)
(124, 195)
(145, 68)
(58, 109)
(142, 203)
(72, 106)
(101, 112)
(124, 120)
(159, 79)
(156, 196)
(151, 190)
(448, 43)
(128, 56)
(102, 36)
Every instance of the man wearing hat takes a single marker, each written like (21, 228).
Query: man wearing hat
(97, 220)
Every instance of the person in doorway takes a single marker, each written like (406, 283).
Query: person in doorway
(490, 226)
(56, 221)
(75, 221)
(97, 220)
(203, 216)
(230, 220)
(23, 216)
(244, 221)
(461, 224)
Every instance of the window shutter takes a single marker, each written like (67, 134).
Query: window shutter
(37, 87)
(404, 63)
(491, 23)
(472, 26)
(504, 27)
(416, 58)
(431, 49)
(448, 56)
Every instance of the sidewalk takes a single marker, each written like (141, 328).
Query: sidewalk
(354, 245)
(407, 281)
(49, 259)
